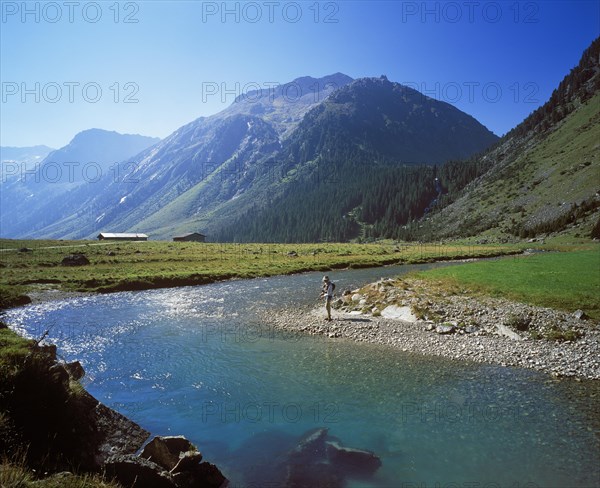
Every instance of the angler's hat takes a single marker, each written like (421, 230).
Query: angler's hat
(325, 278)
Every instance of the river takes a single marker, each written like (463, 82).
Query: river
(198, 361)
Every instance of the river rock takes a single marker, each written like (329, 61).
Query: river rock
(119, 434)
(137, 472)
(167, 450)
(319, 460)
(205, 475)
(75, 260)
(506, 332)
(444, 329)
(580, 315)
(356, 297)
(187, 461)
(311, 448)
(398, 313)
(352, 462)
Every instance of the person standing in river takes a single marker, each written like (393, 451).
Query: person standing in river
(327, 292)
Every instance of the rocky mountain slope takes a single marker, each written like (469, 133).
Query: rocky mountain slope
(362, 160)
(265, 148)
(200, 165)
(349, 129)
(543, 176)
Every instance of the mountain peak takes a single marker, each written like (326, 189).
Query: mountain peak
(283, 106)
(95, 133)
(338, 79)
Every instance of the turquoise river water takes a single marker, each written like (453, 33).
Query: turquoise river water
(198, 361)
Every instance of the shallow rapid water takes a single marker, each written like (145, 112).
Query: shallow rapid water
(198, 361)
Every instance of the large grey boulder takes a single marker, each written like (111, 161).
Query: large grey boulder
(182, 460)
(187, 461)
(137, 472)
(311, 448)
(319, 460)
(119, 435)
(166, 451)
(399, 313)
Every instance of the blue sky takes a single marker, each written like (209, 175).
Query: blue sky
(149, 67)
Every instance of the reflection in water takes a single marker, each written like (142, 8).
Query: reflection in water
(197, 361)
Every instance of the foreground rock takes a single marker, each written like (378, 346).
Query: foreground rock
(169, 462)
(318, 460)
(166, 451)
(354, 462)
(50, 418)
(60, 423)
(481, 329)
(136, 472)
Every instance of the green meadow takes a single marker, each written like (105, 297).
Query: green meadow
(560, 280)
(118, 266)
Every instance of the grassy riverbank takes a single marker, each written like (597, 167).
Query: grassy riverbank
(563, 280)
(118, 266)
(34, 436)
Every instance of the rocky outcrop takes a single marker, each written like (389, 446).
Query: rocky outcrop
(169, 462)
(166, 451)
(119, 435)
(137, 472)
(59, 425)
(352, 462)
(399, 313)
(62, 425)
(75, 370)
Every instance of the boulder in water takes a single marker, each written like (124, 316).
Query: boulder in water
(352, 462)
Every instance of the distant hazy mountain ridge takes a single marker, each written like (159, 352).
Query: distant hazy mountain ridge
(35, 198)
(27, 156)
